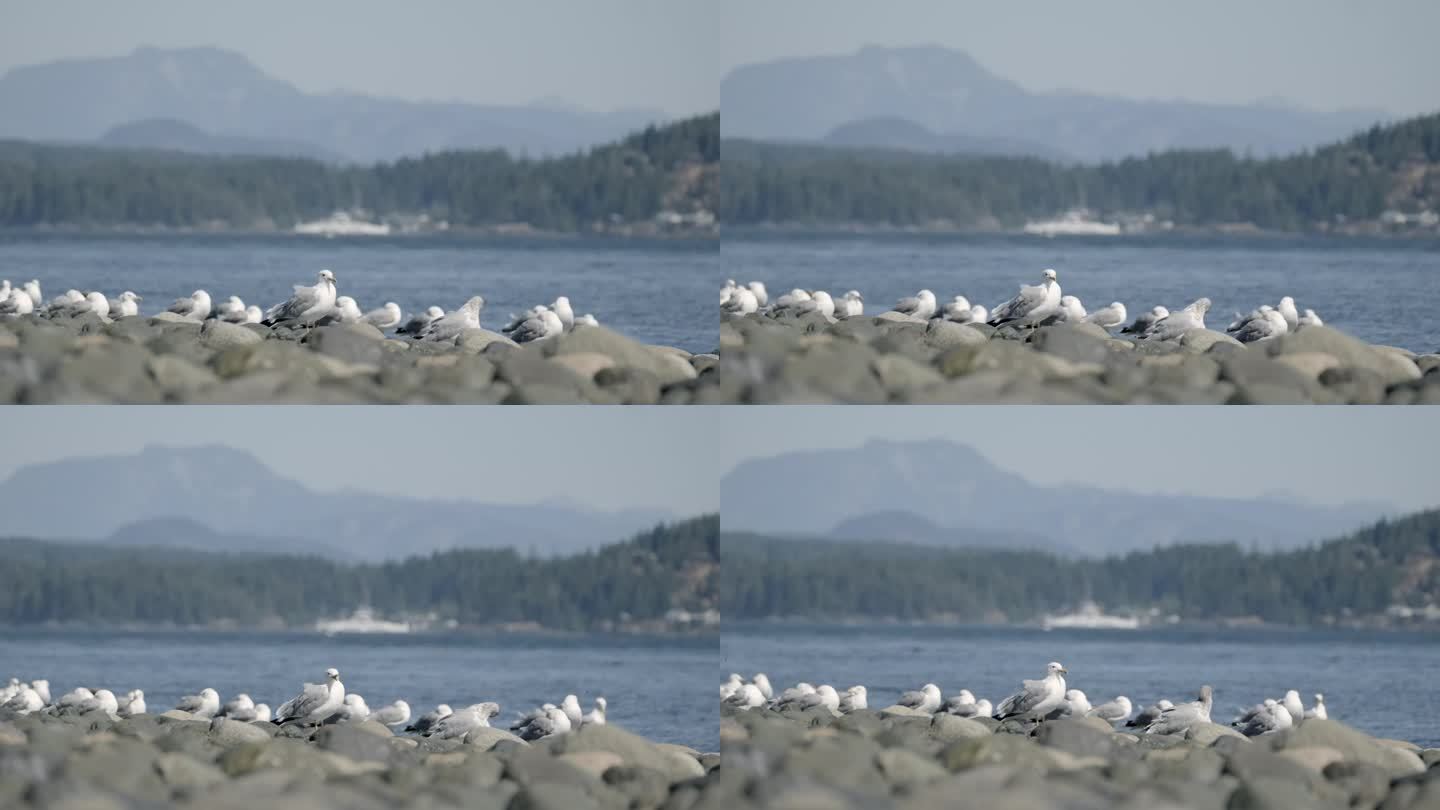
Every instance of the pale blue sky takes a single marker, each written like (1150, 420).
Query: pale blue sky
(1322, 455)
(600, 54)
(1324, 54)
(610, 458)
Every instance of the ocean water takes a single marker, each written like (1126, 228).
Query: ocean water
(1379, 290)
(658, 687)
(1378, 682)
(656, 291)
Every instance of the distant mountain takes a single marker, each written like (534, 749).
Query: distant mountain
(899, 133)
(234, 495)
(900, 526)
(946, 91)
(950, 484)
(221, 91)
(192, 534)
(179, 136)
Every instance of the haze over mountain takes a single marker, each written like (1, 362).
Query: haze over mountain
(948, 93)
(230, 494)
(222, 93)
(944, 484)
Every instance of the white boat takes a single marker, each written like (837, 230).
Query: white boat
(342, 224)
(1089, 617)
(1073, 223)
(361, 621)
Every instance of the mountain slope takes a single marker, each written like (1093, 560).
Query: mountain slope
(948, 92)
(899, 133)
(179, 136)
(222, 91)
(900, 526)
(953, 485)
(229, 491)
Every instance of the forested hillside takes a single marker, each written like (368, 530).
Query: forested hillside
(670, 567)
(1349, 185)
(1357, 577)
(670, 168)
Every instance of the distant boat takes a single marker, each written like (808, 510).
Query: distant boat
(1073, 223)
(1089, 617)
(361, 621)
(342, 224)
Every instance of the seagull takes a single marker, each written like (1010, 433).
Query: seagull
(742, 301)
(203, 706)
(1031, 305)
(596, 716)
(240, 707)
(731, 685)
(454, 324)
(386, 317)
(63, 302)
(1319, 710)
(1287, 311)
(1310, 319)
(1108, 317)
(1271, 718)
(463, 722)
(1293, 705)
(75, 697)
(421, 321)
(587, 320)
(1177, 719)
(824, 695)
(855, 699)
(790, 299)
(1035, 698)
(1070, 311)
(17, 303)
(552, 722)
(315, 703)
(1262, 324)
(1146, 320)
(104, 701)
(352, 710)
(1177, 324)
(926, 699)
(1150, 714)
(563, 311)
(253, 314)
(957, 310)
(428, 720)
(762, 297)
(850, 305)
(125, 306)
(571, 706)
(821, 302)
(262, 712)
(231, 310)
(308, 304)
(545, 324)
(1116, 711)
(345, 311)
(32, 288)
(95, 302)
(196, 307)
(762, 682)
(26, 701)
(133, 704)
(792, 695)
(921, 306)
(396, 714)
(748, 696)
(1076, 704)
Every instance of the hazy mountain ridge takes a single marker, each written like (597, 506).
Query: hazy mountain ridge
(232, 493)
(221, 91)
(954, 486)
(946, 91)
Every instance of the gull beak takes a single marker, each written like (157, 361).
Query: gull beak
(1064, 671)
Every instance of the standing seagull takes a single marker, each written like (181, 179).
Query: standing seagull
(1031, 305)
(308, 304)
(315, 703)
(1035, 698)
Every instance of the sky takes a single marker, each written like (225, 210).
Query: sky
(1323, 54)
(608, 458)
(600, 54)
(1321, 455)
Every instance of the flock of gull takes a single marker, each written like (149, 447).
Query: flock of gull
(1035, 305)
(324, 703)
(1045, 699)
(312, 305)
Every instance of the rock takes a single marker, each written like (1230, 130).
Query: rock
(585, 364)
(1314, 757)
(949, 728)
(347, 344)
(942, 335)
(998, 749)
(908, 770)
(1200, 341)
(898, 317)
(1347, 350)
(219, 335)
(230, 733)
(595, 763)
(353, 743)
(170, 317)
(487, 738)
(632, 749)
(1209, 733)
(182, 772)
(1355, 746)
(643, 786)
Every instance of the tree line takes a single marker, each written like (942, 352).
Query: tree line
(1355, 180)
(1391, 562)
(631, 180)
(671, 566)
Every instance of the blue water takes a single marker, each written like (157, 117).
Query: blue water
(1378, 682)
(659, 687)
(1382, 291)
(656, 291)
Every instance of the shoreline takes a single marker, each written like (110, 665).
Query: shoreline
(800, 229)
(498, 233)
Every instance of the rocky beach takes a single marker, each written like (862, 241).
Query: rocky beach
(172, 359)
(895, 358)
(174, 760)
(904, 758)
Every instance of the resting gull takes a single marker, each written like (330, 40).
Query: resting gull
(731, 685)
(17, 303)
(386, 317)
(958, 701)
(544, 324)
(1076, 703)
(1271, 718)
(925, 699)
(203, 706)
(429, 719)
(75, 697)
(231, 310)
(1146, 320)
(856, 698)
(345, 311)
(562, 309)
(126, 306)
(740, 302)
(1150, 714)
(1294, 706)
(240, 707)
(1070, 311)
(1318, 710)
(824, 695)
(1262, 324)
(458, 724)
(820, 302)
(1116, 711)
(103, 701)
(1177, 324)
(396, 714)
(791, 299)
(553, 721)
(957, 310)
(1310, 319)
(315, 703)
(850, 305)
(1032, 304)
(308, 304)
(1108, 317)
(571, 706)
(1287, 311)
(792, 695)
(133, 704)
(352, 710)
(748, 696)
(596, 716)
(1035, 698)
(1177, 719)
(420, 321)
(455, 323)
(196, 307)
(921, 305)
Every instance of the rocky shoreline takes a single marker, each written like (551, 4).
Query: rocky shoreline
(176, 360)
(793, 358)
(903, 758)
(173, 760)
